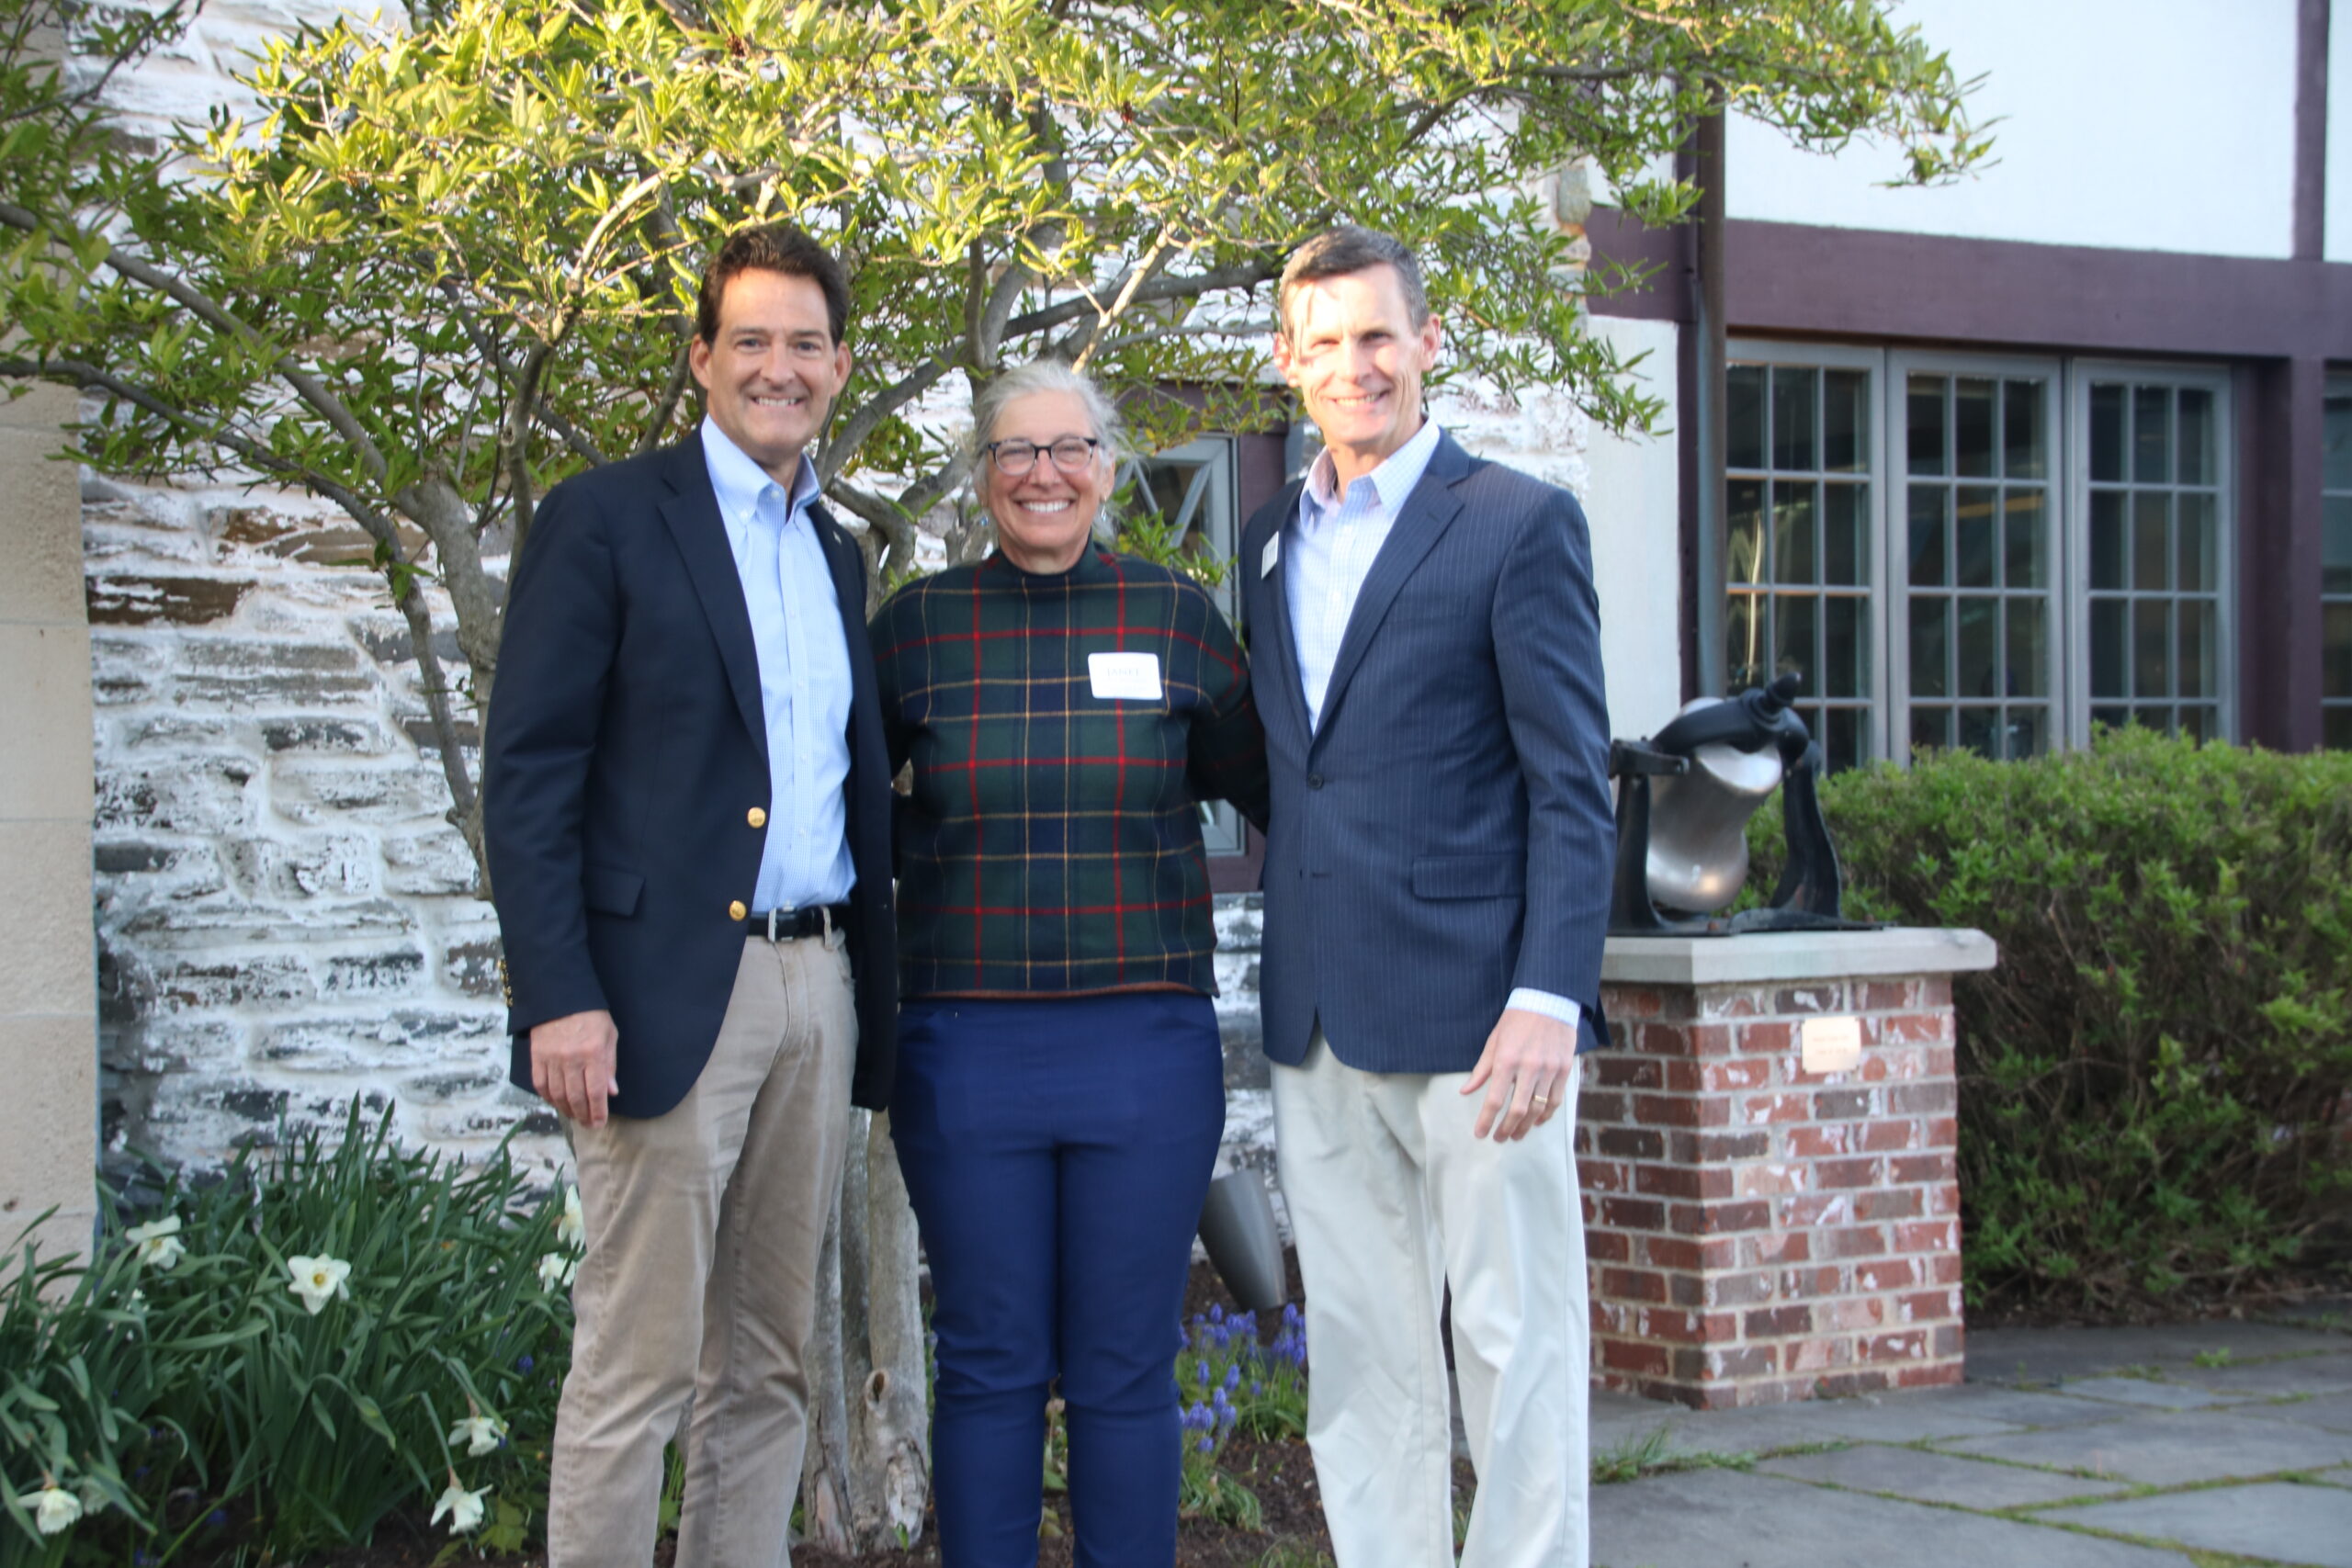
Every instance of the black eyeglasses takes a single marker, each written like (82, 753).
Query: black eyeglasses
(1014, 458)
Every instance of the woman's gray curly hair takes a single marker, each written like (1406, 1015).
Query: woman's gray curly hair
(1048, 376)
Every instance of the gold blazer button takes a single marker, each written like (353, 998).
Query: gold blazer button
(736, 912)
(756, 818)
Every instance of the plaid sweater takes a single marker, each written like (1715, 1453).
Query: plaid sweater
(1052, 845)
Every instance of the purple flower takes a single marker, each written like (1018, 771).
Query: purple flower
(524, 1363)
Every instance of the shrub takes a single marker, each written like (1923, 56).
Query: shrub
(2153, 1084)
(286, 1355)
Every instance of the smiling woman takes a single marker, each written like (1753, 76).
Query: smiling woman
(1047, 438)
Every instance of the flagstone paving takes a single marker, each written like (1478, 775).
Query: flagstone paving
(2126, 1448)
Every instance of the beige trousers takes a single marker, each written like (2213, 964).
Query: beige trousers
(1390, 1197)
(704, 1229)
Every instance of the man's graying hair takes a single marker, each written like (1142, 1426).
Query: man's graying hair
(1047, 376)
(1335, 252)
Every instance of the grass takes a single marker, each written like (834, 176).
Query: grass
(1656, 1454)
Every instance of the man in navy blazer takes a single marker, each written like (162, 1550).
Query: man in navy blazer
(1425, 641)
(686, 803)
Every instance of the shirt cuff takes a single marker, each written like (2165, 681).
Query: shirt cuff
(1527, 1000)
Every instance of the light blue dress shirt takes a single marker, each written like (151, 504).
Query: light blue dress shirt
(804, 675)
(1333, 542)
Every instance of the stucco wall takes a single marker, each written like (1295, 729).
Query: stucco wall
(47, 1053)
(2159, 125)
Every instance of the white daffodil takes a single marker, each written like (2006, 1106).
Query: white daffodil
(158, 1241)
(572, 1230)
(464, 1508)
(481, 1434)
(556, 1270)
(54, 1508)
(319, 1281)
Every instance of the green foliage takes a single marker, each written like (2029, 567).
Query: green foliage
(2153, 1084)
(191, 1395)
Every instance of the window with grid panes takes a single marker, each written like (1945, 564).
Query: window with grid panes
(1979, 538)
(1798, 525)
(2336, 568)
(2154, 495)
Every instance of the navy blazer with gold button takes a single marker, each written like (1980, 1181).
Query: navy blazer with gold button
(622, 763)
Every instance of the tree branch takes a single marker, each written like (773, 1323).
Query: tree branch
(573, 438)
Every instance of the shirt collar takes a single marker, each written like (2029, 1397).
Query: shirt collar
(1394, 480)
(740, 481)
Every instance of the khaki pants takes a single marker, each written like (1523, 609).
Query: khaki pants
(1390, 1197)
(704, 1229)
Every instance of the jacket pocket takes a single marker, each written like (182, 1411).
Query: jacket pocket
(611, 891)
(1467, 876)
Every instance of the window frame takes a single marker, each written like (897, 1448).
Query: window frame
(2336, 385)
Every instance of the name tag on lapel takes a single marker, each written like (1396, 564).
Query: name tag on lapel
(1272, 554)
(1129, 677)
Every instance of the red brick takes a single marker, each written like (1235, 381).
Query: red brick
(1939, 1060)
(1633, 1356)
(1948, 1338)
(1768, 1179)
(1934, 992)
(1774, 1323)
(1931, 1375)
(1706, 1040)
(1943, 1198)
(1631, 1143)
(1930, 1098)
(1701, 1183)
(1811, 1284)
(1928, 1306)
(1888, 995)
(1910, 1345)
(1836, 1173)
(1852, 1241)
(1817, 1142)
(1944, 1131)
(1773, 1108)
(1817, 1355)
(1913, 1027)
(1736, 1072)
(1600, 1106)
(1632, 1284)
(1887, 1136)
(1927, 1235)
(1739, 1290)
(1888, 1203)
(1854, 1313)
(1603, 1175)
(1766, 1039)
(1889, 1274)
(1740, 1361)
(1673, 1252)
(1722, 1219)
(1813, 1208)
(1612, 1069)
(1627, 1003)
(1713, 1146)
(1778, 1246)
(1821, 996)
(1724, 1002)
(1665, 1111)
(1632, 1214)
(1943, 1268)
(1602, 1246)
(1923, 1169)
(1845, 1385)
(1846, 1104)
(1684, 1074)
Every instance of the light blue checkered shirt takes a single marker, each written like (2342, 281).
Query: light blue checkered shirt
(804, 675)
(1329, 550)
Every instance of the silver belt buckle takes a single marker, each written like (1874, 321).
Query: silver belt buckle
(771, 915)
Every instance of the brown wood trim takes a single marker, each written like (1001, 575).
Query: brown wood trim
(2311, 128)
(2282, 406)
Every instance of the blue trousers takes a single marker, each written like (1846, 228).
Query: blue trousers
(1058, 1153)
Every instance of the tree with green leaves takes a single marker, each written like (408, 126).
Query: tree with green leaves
(448, 262)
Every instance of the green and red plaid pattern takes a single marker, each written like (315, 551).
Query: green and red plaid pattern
(1052, 846)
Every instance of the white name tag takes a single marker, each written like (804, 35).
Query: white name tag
(1130, 677)
(1272, 554)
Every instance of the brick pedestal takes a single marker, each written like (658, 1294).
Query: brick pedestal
(1759, 1233)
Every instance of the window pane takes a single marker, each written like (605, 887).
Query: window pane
(1744, 416)
(2106, 434)
(1925, 424)
(2337, 734)
(1742, 642)
(1927, 566)
(1795, 616)
(2151, 636)
(2025, 540)
(2196, 443)
(2114, 717)
(2028, 732)
(2148, 510)
(2201, 722)
(1843, 743)
(1931, 726)
(1974, 536)
(1793, 557)
(2025, 454)
(2335, 655)
(2196, 668)
(1743, 520)
(1842, 670)
(2108, 550)
(1980, 730)
(2152, 715)
(2336, 544)
(1795, 441)
(2151, 434)
(2195, 543)
(1980, 630)
(2110, 649)
(2336, 443)
(1845, 427)
(2029, 648)
(1930, 645)
(1845, 543)
(1972, 427)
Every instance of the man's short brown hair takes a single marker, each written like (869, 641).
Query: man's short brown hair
(1335, 252)
(772, 247)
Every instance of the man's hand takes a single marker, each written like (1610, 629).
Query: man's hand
(572, 1064)
(1524, 1070)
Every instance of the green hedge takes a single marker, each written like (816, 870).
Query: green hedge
(2155, 1081)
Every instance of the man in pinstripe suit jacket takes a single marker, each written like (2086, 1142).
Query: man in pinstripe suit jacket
(1426, 645)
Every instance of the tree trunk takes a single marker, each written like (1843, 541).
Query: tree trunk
(868, 1473)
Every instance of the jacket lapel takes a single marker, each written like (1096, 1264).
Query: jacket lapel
(1429, 512)
(1281, 641)
(692, 516)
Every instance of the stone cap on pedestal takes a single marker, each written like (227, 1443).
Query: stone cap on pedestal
(1793, 955)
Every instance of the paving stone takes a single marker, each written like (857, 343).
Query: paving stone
(2305, 1525)
(1730, 1520)
(1928, 1477)
(2173, 1449)
(2148, 1392)
(2040, 1355)
(2037, 1407)
(2289, 1374)
(2331, 1411)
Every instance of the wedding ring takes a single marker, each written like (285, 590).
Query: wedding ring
(1540, 1101)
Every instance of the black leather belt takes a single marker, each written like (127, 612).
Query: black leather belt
(789, 925)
